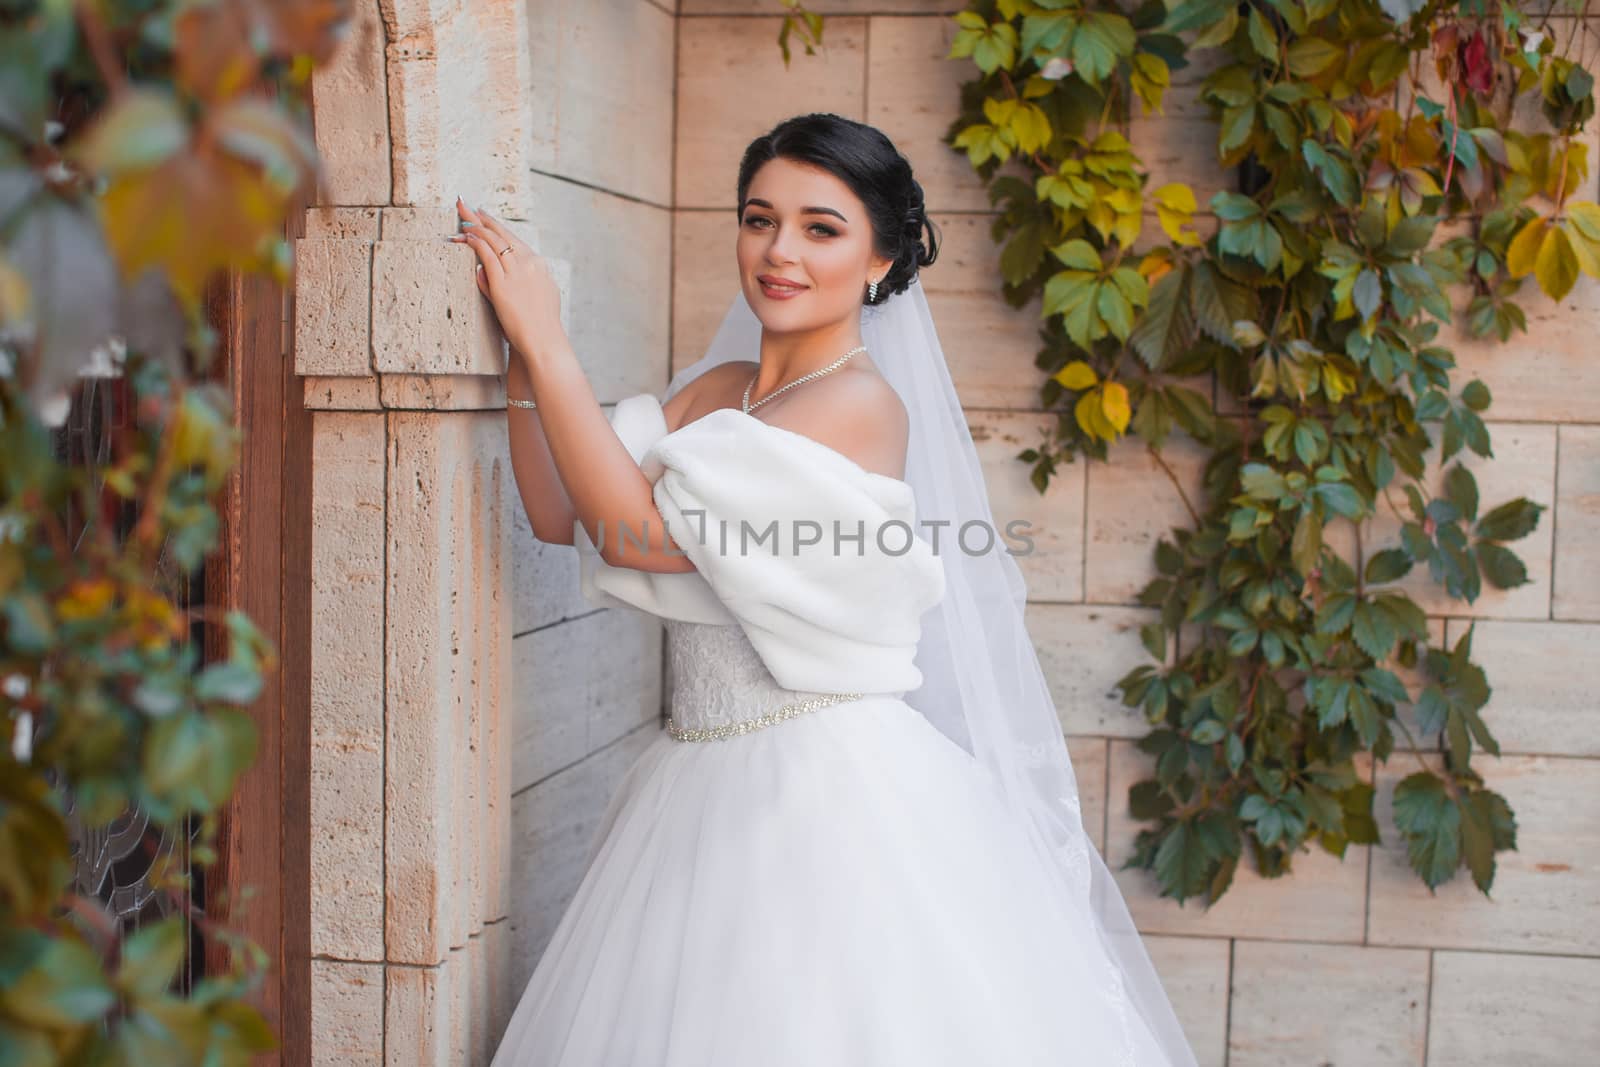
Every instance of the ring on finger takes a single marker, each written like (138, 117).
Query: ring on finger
(507, 249)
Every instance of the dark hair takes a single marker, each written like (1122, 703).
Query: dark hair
(868, 162)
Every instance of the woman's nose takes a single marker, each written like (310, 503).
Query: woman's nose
(778, 247)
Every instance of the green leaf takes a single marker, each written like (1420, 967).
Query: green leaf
(1431, 823)
(1263, 38)
(1307, 543)
(65, 987)
(1023, 254)
(1078, 254)
(1510, 521)
(1167, 328)
(1389, 565)
(1310, 56)
(1373, 630)
(1502, 568)
(1462, 490)
(151, 958)
(227, 682)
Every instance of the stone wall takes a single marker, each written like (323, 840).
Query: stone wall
(472, 714)
(1348, 962)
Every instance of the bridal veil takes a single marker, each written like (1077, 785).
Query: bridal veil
(982, 683)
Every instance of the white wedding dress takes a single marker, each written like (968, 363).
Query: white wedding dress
(832, 885)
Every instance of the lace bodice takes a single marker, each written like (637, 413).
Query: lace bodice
(717, 678)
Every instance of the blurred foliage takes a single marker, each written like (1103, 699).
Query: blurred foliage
(144, 147)
(1389, 156)
(797, 20)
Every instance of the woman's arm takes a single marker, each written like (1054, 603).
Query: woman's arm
(544, 498)
(602, 484)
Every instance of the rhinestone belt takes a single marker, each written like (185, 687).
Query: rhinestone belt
(734, 729)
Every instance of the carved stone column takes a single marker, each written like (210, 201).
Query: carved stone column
(402, 363)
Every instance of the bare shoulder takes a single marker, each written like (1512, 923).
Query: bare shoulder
(857, 414)
(708, 392)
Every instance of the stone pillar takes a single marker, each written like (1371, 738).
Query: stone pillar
(411, 632)
(402, 364)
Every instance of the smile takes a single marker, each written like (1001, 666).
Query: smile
(775, 289)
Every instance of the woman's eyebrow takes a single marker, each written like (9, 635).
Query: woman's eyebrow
(803, 211)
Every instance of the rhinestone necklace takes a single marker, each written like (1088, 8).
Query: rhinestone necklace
(835, 365)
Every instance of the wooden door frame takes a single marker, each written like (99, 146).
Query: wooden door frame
(263, 568)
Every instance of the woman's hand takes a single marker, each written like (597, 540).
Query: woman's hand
(515, 279)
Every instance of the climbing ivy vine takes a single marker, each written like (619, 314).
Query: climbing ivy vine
(1392, 179)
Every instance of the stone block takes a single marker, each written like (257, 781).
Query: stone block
(1546, 894)
(989, 345)
(1052, 564)
(347, 685)
(1577, 525)
(1543, 683)
(444, 484)
(502, 993)
(352, 110)
(705, 279)
(1194, 973)
(430, 223)
(442, 392)
(460, 106)
(732, 87)
(1524, 464)
(417, 1018)
(554, 827)
(603, 74)
(1133, 503)
(346, 1014)
(1084, 650)
(1089, 755)
(341, 223)
(1493, 1008)
(1322, 899)
(1547, 374)
(913, 95)
(1295, 1004)
(341, 394)
(333, 284)
(580, 685)
(427, 314)
(544, 577)
(619, 298)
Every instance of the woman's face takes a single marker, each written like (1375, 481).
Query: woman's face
(805, 248)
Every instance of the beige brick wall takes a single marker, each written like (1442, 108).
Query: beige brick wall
(1346, 962)
(587, 682)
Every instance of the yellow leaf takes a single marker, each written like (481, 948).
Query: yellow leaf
(86, 599)
(1524, 248)
(1156, 263)
(1586, 252)
(1175, 208)
(1557, 266)
(1586, 217)
(1114, 404)
(1092, 419)
(1076, 375)
(1177, 197)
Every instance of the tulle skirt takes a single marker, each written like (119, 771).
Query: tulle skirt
(842, 888)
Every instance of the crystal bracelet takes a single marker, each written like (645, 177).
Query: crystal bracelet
(512, 402)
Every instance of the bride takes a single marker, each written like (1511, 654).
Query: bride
(858, 841)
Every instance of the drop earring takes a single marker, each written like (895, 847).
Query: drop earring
(872, 292)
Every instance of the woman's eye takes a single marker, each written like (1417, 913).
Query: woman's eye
(828, 231)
